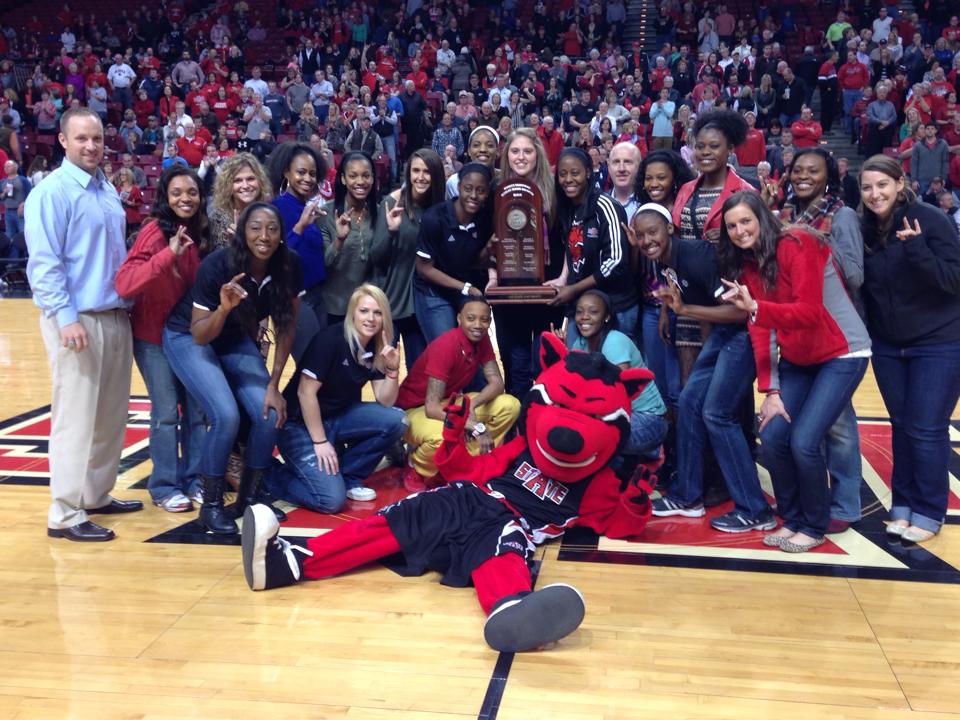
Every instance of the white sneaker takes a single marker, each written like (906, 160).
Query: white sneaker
(362, 493)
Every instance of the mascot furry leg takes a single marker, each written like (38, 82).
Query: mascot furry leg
(518, 619)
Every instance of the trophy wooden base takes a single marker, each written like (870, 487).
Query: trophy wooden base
(521, 295)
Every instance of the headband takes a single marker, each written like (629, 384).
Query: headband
(656, 208)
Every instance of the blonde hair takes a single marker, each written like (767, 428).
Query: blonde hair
(350, 330)
(543, 176)
(223, 187)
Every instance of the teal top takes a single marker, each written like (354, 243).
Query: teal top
(618, 349)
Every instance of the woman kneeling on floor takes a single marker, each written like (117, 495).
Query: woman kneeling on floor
(332, 441)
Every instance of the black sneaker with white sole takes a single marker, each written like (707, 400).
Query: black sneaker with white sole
(269, 561)
(665, 507)
(519, 624)
(738, 522)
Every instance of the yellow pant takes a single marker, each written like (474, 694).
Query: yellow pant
(426, 434)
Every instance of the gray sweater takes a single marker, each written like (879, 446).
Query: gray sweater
(928, 162)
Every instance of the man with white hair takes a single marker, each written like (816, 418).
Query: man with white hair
(552, 140)
(624, 164)
(445, 57)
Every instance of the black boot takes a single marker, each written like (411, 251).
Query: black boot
(251, 492)
(212, 513)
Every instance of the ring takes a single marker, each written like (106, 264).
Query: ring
(71, 341)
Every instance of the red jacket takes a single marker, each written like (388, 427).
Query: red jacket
(734, 184)
(806, 133)
(808, 314)
(552, 144)
(752, 150)
(155, 279)
(853, 76)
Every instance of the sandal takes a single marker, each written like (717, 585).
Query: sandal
(175, 503)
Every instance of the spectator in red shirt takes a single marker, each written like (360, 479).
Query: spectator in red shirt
(923, 101)
(418, 77)
(753, 150)
(806, 130)
(552, 140)
(853, 77)
(193, 145)
(143, 108)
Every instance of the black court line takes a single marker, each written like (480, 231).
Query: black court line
(501, 671)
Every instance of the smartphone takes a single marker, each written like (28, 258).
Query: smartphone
(670, 275)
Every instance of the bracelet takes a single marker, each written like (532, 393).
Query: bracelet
(391, 376)
(390, 369)
(466, 289)
(772, 392)
(321, 442)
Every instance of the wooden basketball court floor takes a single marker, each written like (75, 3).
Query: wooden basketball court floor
(136, 629)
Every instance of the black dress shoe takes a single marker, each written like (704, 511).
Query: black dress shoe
(116, 507)
(84, 532)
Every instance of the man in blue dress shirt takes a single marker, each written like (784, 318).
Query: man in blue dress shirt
(75, 233)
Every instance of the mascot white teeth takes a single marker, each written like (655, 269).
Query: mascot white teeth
(484, 524)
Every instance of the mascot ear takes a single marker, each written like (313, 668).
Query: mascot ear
(635, 380)
(552, 350)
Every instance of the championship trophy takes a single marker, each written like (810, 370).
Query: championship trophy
(519, 254)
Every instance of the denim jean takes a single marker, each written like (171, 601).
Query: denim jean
(661, 357)
(709, 407)
(221, 379)
(390, 147)
(845, 466)
(436, 314)
(647, 433)
(814, 396)
(124, 96)
(518, 339)
(920, 386)
(361, 435)
(13, 223)
(177, 431)
(850, 98)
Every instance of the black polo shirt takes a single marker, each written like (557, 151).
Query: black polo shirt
(454, 248)
(695, 263)
(212, 274)
(329, 360)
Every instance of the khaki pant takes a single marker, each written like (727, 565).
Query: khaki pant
(662, 143)
(427, 434)
(91, 395)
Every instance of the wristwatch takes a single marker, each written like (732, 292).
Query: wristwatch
(479, 429)
(465, 290)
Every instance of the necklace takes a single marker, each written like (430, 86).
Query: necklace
(358, 217)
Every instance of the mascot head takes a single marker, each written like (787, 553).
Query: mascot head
(578, 411)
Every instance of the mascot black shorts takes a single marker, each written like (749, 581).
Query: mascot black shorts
(453, 530)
